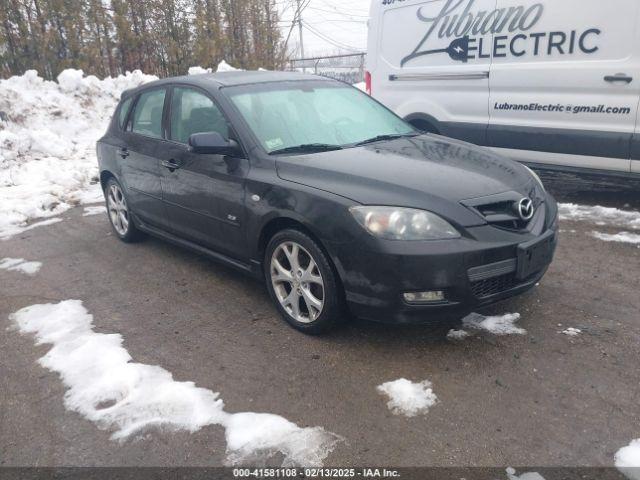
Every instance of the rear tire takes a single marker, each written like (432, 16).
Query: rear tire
(119, 213)
(302, 283)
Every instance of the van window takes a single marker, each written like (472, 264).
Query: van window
(147, 116)
(124, 110)
(193, 112)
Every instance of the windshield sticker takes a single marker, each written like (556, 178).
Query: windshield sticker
(274, 143)
(512, 30)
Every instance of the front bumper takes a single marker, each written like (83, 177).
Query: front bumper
(476, 270)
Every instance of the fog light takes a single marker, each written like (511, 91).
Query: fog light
(434, 296)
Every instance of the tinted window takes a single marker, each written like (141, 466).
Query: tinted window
(193, 112)
(124, 109)
(147, 116)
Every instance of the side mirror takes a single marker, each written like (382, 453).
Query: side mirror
(213, 143)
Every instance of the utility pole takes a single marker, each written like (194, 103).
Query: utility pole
(299, 12)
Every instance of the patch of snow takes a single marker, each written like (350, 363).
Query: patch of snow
(622, 237)
(12, 230)
(600, 215)
(105, 386)
(48, 141)
(20, 265)
(88, 211)
(408, 398)
(198, 70)
(627, 460)
(225, 67)
(572, 332)
(498, 325)
(361, 86)
(457, 334)
(511, 475)
(93, 194)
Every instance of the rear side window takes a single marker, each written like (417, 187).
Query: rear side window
(147, 116)
(124, 110)
(193, 112)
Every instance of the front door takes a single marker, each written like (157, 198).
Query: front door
(434, 60)
(139, 162)
(203, 194)
(564, 89)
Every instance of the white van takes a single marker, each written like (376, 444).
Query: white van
(554, 82)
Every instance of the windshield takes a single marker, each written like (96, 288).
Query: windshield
(313, 115)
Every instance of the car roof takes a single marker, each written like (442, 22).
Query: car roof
(229, 79)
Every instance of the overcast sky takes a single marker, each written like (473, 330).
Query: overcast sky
(332, 26)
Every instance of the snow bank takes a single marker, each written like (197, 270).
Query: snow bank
(107, 387)
(627, 460)
(20, 265)
(622, 237)
(48, 134)
(408, 398)
(600, 215)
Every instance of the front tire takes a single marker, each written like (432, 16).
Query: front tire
(119, 213)
(302, 282)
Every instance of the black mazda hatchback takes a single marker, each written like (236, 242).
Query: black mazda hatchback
(331, 198)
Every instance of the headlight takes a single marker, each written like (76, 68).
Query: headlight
(535, 175)
(403, 223)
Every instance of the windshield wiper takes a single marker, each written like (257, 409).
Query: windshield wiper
(380, 138)
(307, 148)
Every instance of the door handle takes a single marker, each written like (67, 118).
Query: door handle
(618, 77)
(171, 164)
(123, 152)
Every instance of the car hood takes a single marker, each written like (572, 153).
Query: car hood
(427, 172)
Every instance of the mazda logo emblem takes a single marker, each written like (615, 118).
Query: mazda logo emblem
(525, 209)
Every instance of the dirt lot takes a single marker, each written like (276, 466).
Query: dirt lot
(540, 399)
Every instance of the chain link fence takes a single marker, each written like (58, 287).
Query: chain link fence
(346, 68)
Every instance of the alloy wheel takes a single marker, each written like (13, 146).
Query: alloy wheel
(118, 211)
(297, 282)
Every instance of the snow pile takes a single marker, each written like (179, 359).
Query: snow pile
(497, 325)
(20, 265)
(408, 398)
(48, 134)
(222, 67)
(627, 460)
(622, 237)
(225, 67)
(600, 215)
(572, 332)
(107, 387)
(198, 70)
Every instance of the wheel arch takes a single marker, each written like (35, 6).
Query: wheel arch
(281, 222)
(424, 122)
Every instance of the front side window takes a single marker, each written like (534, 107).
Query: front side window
(124, 110)
(193, 112)
(306, 113)
(147, 116)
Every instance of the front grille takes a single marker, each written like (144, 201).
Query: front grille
(492, 286)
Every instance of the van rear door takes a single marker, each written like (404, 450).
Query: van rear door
(565, 84)
(429, 61)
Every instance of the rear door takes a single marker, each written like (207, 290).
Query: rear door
(433, 59)
(565, 89)
(140, 169)
(203, 194)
